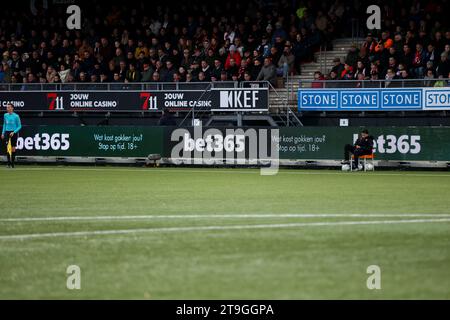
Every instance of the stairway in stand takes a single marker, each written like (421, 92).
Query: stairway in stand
(323, 61)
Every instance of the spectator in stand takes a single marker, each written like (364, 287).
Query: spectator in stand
(333, 76)
(188, 35)
(385, 42)
(443, 67)
(404, 75)
(147, 72)
(360, 77)
(233, 68)
(321, 23)
(83, 77)
(217, 70)
(63, 72)
(286, 62)
(201, 77)
(447, 49)
(274, 54)
(318, 80)
(352, 56)
(232, 55)
(430, 54)
(398, 42)
(373, 81)
(369, 45)
(122, 70)
(347, 73)
(392, 64)
(155, 77)
(247, 79)
(338, 67)
(189, 77)
(168, 72)
(418, 64)
(256, 68)
(279, 32)
(394, 54)
(224, 76)
(429, 78)
(103, 77)
(51, 74)
(132, 75)
(206, 69)
(440, 82)
(361, 69)
(407, 57)
(390, 75)
(268, 72)
(242, 70)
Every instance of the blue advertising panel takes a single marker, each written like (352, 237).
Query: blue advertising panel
(437, 99)
(314, 99)
(371, 99)
(356, 99)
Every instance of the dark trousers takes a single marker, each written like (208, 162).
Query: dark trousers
(357, 152)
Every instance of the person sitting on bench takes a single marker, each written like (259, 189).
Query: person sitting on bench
(362, 146)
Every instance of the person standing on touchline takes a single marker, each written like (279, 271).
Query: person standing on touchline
(11, 128)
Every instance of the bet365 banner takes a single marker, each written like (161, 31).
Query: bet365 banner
(390, 143)
(249, 99)
(363, 99)
(90, 141)
(303, 143)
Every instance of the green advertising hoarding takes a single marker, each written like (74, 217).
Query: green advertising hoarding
(90, 141)
(391, 143)
(308, 143)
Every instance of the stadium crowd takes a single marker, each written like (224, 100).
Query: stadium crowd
(163, 41)
(413, 43)
(168, 42)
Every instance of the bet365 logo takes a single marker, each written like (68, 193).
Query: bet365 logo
(55, 102)
(390, 143)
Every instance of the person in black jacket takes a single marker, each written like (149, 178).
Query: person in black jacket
(362, 146)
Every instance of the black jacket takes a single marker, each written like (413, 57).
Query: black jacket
(365, 144)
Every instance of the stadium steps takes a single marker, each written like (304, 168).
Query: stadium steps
(323, 62)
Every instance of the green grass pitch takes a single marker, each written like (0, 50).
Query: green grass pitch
(192, 233)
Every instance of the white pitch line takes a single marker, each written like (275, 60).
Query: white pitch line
(209, 228)
(236, 171)
(227, 216)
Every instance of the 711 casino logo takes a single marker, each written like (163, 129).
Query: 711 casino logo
(54, 101)
(149, 101)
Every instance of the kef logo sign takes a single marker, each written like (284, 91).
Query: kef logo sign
(241, 99)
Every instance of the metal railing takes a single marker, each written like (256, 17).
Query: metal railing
(357, 30)
(383, 83)
(141, 86)
(322, 58)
